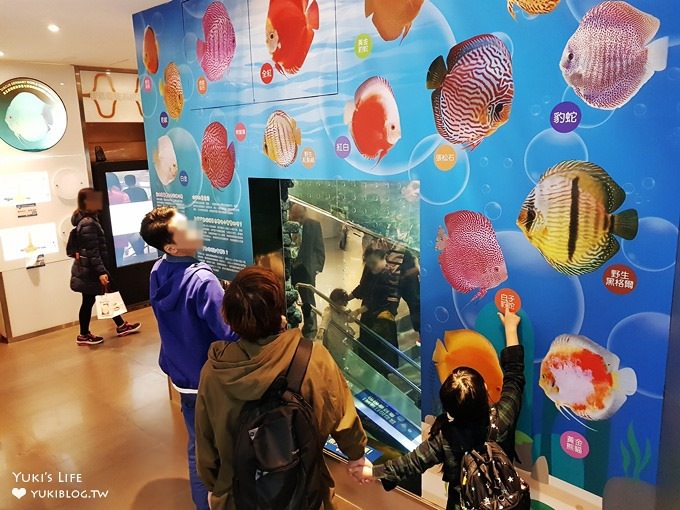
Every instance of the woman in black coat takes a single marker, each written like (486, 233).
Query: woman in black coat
(89, 275)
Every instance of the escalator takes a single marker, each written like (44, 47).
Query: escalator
(387, 402)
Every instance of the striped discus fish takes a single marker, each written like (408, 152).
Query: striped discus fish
(216, 52)
(171, 90)
(473, 90)
(532, 6)
(282, 138)
(569, 217)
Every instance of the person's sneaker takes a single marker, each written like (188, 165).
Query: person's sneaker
(128, 329)
(89, 339)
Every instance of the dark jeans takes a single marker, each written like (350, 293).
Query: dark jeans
(199, 493)
(388, 330)
(85, 314)
(301, 274)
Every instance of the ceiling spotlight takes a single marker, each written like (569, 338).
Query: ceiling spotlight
(2, 53)
(53, 28)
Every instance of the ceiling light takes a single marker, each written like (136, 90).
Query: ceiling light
(53, 28)
(2, 53)
(61, 83)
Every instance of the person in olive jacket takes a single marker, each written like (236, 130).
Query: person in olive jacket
(238, 372)
(89, 275)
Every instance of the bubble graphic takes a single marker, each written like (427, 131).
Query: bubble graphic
(149, 104)
(507, 40)
(486, 189)
(441, 314)
(188, 158)
(158, 23)
(190, 40)
(643, 333)
(484, 162)
(648, 183)
(493, 210)
(507, 163)
(188, 82)
(637, 199)
(578, 8)
(549, 148)
(535, 110)
(640, 110)
(554, 302)
(443, 187)
(655, 246)
(546, 99)
(629, 188)
(674, 74)
(428, 328)
(590, 117)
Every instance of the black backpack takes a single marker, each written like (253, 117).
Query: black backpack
(488, 479)
(278, 452)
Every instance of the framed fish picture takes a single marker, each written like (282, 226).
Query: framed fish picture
(32, 115)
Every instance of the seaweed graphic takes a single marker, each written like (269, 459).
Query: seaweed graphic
(632, 455)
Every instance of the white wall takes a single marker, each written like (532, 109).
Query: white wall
(40, 298)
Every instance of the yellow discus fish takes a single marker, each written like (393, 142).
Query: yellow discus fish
(532, 6)
(171, 90)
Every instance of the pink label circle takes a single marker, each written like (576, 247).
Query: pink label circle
(575, 445)
(240, 131)
(147, 84)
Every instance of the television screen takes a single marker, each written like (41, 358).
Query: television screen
(129, 200)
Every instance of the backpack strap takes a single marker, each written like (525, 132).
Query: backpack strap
(298, 367)
(493, 425)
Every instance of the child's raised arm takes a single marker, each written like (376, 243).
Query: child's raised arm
(511, 321)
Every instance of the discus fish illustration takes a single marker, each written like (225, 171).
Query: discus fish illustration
(373, 118)
(472, 91)
(282, 138)
(216, 51)
(569, 217)
(171, 90)
(467, 348)
(394, 18)
(217, 159)
(150, 50)
(612, 54)
(165, 160)
(29, 117)
(584, 380)
(290, 31)
(471, 257)
(532, 6)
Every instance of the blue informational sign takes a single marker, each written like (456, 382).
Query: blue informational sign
(547, 180)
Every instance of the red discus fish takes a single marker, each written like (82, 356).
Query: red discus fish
(217, 159)
(290, 31)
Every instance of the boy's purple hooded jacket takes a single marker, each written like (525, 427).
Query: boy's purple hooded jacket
(186, 298)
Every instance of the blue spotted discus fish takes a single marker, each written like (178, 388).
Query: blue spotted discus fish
(29, 117)
(472, 91)
(569, 217)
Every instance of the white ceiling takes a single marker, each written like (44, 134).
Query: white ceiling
(93, 32)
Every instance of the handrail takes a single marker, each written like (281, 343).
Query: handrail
(375, 335)
(381, 361)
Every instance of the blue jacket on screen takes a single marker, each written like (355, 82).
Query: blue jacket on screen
(186, 298)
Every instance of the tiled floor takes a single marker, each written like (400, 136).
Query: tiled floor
(100, 412)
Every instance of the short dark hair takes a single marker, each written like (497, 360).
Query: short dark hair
(130, 180)
(155, 228)
(254, 303)
(83, 195)
(339, 296)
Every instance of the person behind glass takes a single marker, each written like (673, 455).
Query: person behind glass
(464, 423)
(240, 372)
(135, 193)
(379, 294)
(334, 330)
(89, 275)
(309, 262)
(186, 298)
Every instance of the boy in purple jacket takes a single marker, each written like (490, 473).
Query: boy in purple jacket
(186, 298)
